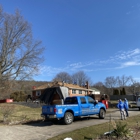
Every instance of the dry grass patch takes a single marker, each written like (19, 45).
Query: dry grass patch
(18, 113)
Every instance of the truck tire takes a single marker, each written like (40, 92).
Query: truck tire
(102, 114)
(68, 118)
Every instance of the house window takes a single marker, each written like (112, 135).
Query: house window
(80, 91)
(38, 93)
(73, 91)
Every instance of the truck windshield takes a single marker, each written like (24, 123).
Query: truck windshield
(72, 100)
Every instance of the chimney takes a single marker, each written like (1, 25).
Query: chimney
(63, 82)
(33, 87)
(87, 87)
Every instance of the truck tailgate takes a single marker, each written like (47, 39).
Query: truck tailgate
(48, 109)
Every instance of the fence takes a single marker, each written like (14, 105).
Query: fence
(128, 97)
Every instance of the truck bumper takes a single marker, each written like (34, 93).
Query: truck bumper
(48, 116)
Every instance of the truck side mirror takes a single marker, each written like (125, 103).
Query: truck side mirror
(96, 101)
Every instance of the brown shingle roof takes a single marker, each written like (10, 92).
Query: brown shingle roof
(56, 84)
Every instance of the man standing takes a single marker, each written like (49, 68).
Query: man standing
(126, 107)
(120, 105)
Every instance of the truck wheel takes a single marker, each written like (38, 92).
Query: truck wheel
(102, 114)
(68, 118)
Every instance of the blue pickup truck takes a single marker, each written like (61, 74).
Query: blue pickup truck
(76, 106)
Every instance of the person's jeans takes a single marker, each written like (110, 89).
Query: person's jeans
(122, 112)
(126, 111)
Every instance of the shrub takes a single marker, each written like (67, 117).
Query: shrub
(123, 92)
(120, 130)
(6, 111)
(18, 96)
(116, 92)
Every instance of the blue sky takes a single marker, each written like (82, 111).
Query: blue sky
(99, 37)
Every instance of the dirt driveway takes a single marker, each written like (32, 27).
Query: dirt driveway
(45, 130)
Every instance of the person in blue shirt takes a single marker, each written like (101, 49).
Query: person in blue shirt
(126, 107)
(120, 106)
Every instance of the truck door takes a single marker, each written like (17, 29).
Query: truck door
(84, 109)
(93, 106)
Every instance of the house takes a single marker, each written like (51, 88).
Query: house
(72, 89)
(95, 91)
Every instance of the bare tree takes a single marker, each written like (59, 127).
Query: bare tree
(63, 76)
(126, 82)
(123, 80)
(110, 83)
(80, 78)
(134, 87)
(20, 54)
(101, 87)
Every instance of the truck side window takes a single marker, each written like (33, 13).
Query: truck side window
(72, 100)
(83, 100)
(90, 100)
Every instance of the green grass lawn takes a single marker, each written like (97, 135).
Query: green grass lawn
(95, 131)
